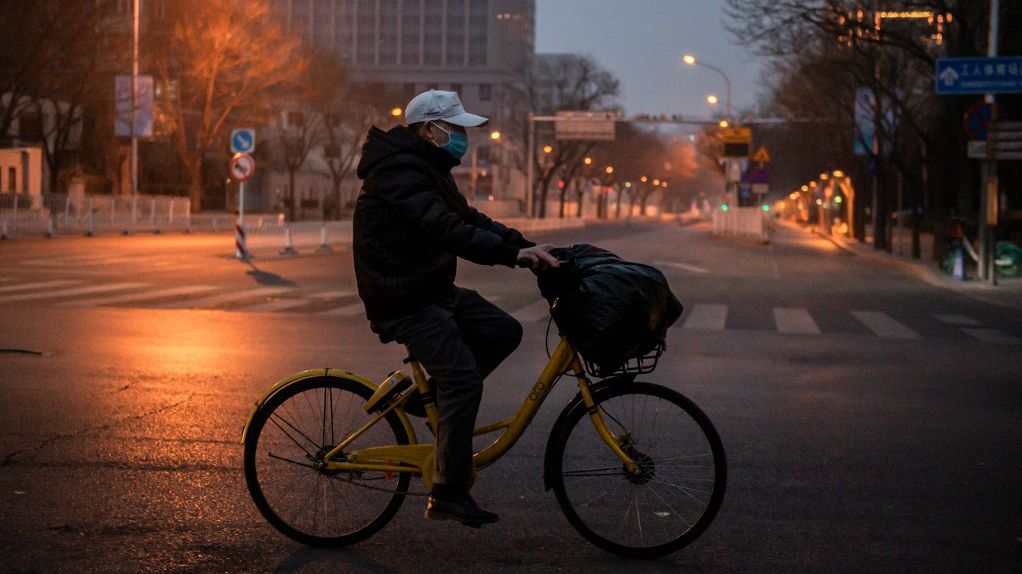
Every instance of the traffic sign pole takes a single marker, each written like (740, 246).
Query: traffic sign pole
(986, 202)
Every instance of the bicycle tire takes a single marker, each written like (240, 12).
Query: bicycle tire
(257, 467)
(694, 423)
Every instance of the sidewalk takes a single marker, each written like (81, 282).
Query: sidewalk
(1007, 293)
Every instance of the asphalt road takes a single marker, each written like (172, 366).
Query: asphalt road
(873, 422)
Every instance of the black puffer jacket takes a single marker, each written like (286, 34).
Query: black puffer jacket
(411, 225)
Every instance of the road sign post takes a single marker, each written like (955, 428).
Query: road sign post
(241, 168)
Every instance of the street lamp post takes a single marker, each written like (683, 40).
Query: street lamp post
(692, 61)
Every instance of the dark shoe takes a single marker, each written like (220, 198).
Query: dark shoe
(416, 404)
(460, 507)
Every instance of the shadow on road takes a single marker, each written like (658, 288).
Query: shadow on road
(352, 560)
(266, 278)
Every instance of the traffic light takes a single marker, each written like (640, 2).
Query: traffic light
(560, 184)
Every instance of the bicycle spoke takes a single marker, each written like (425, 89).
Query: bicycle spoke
(288, 460)
(293, 439)
(668, 505)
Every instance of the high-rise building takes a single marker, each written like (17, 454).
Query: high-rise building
(474, 47)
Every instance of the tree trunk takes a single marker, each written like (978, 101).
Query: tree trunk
(564, 192)
(338, 200)
(291, 208)
(617, 209)
(581, 194)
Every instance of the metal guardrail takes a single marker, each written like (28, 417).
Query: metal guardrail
(747, 222)
(64, 213)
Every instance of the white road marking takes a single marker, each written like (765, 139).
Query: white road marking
(706, 317)
(345, 311)
(795, 321)
(958, 320)
(884, 326)
(39, 285)
(682, 266)
(332, 294)
(538, 311)
(276, 305)
(139, 297)
(994, 336)
(222, 298)
(71, 292)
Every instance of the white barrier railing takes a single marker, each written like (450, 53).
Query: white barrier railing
(62, 213)
(746, 222)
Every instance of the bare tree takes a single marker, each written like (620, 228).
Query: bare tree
(300, 131)
(226, 61)
(557, 82)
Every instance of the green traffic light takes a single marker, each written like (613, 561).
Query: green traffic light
(766, 207)
(723, 207)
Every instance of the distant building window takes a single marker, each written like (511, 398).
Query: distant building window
(456, 32)
(485, 92)
(12, 180)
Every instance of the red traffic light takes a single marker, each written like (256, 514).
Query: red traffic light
(560, 184)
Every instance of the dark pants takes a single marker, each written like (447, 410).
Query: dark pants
(459, 342)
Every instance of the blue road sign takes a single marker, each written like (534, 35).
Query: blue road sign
(979, 75)
(243, 140)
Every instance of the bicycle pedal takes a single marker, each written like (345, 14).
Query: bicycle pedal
(393, 385)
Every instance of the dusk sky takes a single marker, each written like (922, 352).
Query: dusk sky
(642, 42)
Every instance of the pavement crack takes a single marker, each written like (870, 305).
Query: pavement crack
(10, 459)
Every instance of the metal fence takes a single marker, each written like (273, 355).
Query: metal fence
(747, 222)
(65, 213)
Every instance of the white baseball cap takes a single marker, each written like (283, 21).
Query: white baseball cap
(441, 105)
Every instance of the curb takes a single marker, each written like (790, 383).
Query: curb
(922, 271)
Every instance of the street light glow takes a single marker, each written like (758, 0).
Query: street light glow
(805, 188)
(689, 59)
(643, 179)
(824, 176)
(548, 148)
(724, 124)
(588, 160)
(610, 169)
(711, 99)
(495, 135)
(656, 182)
(838, 173)
(396, 112)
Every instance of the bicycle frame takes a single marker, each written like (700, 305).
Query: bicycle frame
(418, 458)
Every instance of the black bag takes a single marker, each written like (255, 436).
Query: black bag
(610, 310)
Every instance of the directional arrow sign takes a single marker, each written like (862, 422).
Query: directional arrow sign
(1002, 75)
(243, 140)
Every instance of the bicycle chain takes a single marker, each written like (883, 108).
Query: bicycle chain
(379, 489)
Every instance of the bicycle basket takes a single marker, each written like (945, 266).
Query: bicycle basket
(634, 366)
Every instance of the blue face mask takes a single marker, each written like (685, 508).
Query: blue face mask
(457, 143)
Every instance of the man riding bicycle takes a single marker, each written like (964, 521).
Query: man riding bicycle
(411, 224)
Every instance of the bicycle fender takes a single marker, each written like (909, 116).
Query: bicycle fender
(567, 412)
(312, 374)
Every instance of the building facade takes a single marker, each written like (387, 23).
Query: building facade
(474, 47)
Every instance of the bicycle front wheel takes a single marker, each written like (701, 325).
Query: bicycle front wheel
(673, 495)
(288, 437)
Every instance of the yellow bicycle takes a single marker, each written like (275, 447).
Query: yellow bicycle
(329, 455)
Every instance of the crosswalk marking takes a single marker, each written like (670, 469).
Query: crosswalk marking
(222, 298)
(795, 321)
(993, 336)
(37, 285)
(538, 311)
(958, 320)
(706, 317)
(345, 311)
(139, 297)
(884, 326)
(682, 266)
(276, 305)
(71, 292)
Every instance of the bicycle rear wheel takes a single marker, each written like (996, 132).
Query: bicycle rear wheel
(306, 502)
(672, 497)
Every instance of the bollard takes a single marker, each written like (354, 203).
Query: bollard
(289, 248)
(67, 210)
(188, 216)
(49, 228)
(152, 217)
(240, 245)
(323, 245)
(216, 225)
(3, 230)
(92, 221)
(14, 218)
(170, 215)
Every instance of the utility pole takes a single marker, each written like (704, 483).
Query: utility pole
(988, 195)
(134, 102)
